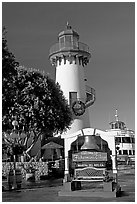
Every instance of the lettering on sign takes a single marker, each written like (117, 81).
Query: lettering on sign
(89, 156)
(93, 164)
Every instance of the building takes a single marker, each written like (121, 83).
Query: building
(70, 57)
(125, 140)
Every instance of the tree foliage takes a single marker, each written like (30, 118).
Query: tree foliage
(31, 98)
(9, 72)
(39, 104)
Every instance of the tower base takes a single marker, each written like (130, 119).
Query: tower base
(67, 191)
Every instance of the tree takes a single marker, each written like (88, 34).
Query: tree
(32, 102)
(38, 103)
(9, 71)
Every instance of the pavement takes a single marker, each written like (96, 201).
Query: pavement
(28, 185)
(47, 191)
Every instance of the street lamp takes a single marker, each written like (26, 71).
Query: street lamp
(15, 137)
(116, 152)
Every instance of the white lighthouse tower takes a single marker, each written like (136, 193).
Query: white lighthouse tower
(70, 56)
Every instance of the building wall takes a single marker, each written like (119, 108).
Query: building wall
(71, 79)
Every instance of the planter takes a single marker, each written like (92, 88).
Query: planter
(30, 176)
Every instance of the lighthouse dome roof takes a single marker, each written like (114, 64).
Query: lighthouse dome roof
(68, 31)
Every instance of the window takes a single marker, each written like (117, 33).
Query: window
(125, 152)
(133, 152)
(120, 152)
(116, 126)
(130, 152)
(133, 140)
(68, 39)
(75, 42)
(126, 140)
(61, 40)
(72, 97)
(120, 125)
(118, 139)
(113, 127)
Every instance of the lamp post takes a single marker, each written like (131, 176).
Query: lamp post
(15, 137)
(116, 149)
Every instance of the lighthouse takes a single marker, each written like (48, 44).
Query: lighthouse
(70, 58)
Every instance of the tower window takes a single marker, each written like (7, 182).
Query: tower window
(68, 39)
(61, 40)
(116, 126)
(119, 125)
(72, 97)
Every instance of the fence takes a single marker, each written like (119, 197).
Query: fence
(41, 168)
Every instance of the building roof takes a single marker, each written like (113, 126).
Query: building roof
(68, 31)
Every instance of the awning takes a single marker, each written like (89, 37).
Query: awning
(52, 145)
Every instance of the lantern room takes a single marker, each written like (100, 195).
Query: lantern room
(68, 38)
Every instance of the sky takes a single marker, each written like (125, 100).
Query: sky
(108, 28)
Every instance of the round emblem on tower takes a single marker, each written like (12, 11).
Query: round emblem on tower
(78, 108)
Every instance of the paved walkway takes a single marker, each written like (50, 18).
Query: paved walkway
(47, 191)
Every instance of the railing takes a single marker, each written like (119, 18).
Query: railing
(90, 97)
(90, 90)
(68, 46)
(91, 94)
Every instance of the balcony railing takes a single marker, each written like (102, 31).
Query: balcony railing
(90, 90)
(90, 93)
(68, 46)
